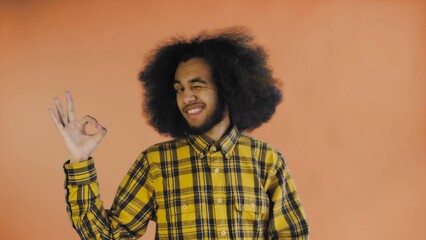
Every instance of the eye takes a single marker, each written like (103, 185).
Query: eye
(178, 90)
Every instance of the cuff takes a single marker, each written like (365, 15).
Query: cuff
(80, 173)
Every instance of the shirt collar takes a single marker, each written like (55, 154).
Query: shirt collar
(225, 144)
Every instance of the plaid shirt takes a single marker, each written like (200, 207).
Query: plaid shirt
(235, 188)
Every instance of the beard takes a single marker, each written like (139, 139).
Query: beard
(215, 117)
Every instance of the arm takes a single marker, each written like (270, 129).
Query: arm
(287, 217)
(133, 207)
(134, 203)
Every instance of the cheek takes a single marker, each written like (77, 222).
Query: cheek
(212, 100)
(179, 103)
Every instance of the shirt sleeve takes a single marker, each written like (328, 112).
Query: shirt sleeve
(134, 204)
(287, 217)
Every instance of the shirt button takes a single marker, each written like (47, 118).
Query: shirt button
(227, 156)
(214, 149)
(201, 155)
(184, 207)
(219, 200)
(216, 170)
(252, 205)
(223, 233)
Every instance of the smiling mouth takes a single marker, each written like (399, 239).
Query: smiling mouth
(194, 110)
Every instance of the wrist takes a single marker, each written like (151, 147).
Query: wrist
(78, 159)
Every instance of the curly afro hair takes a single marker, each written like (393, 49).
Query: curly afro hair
(239, 69)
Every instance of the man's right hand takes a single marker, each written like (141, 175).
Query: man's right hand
(78, 142)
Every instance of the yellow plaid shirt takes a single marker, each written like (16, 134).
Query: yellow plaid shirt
(235, 188)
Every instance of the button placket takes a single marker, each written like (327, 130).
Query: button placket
(216, 160)
(213, 148)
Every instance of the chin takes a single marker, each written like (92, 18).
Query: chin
(195, 123)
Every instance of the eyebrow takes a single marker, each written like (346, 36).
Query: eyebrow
(195, 80)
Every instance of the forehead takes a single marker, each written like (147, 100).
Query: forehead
(194, 68)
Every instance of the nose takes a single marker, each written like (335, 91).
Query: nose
(188, 96)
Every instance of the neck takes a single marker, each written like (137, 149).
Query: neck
(216, 132)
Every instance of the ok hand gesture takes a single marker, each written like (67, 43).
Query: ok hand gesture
(78, 142)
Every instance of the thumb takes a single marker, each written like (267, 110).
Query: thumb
(100, 133)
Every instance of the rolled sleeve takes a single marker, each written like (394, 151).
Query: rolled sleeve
(80, 173)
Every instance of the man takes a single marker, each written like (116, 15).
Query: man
(209, 182)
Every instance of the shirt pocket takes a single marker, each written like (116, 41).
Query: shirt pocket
(185, 205)
(177, 214)
(251, 203)
(252, 212)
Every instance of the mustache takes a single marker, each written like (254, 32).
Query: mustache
(192, 105)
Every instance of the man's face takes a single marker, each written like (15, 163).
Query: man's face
(197, 96)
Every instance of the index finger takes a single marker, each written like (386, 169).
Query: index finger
(70, 106)
(56, 120)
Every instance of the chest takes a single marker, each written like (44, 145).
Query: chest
(211, 182)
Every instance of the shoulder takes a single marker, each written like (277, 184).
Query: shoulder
(263, 151)
(154, 151)
(150, 158)
(258, 144)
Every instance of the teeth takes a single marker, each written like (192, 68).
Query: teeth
(195, 110)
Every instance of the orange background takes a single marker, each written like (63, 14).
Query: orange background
(352, 126)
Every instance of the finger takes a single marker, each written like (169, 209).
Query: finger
(61, 113)
(88, 119)
(70, 107)
(55, 119)
(101, 132)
